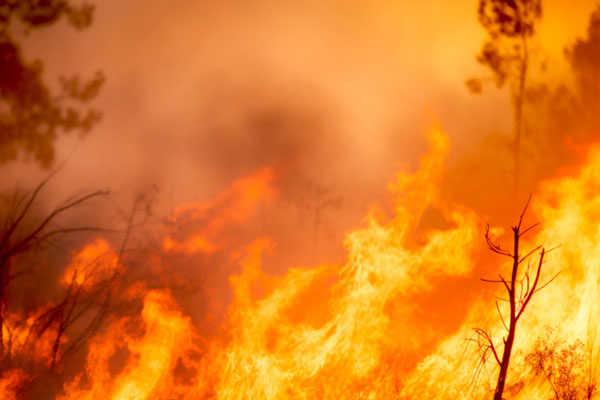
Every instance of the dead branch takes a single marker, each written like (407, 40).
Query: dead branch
(12, 244)
(520, 289)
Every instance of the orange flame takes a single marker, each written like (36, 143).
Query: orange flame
(275, 356)
(151, 356)
(234, 205)
(11, 381)
(354, 330)
(94, 262)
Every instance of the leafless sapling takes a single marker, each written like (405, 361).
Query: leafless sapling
(520, 287)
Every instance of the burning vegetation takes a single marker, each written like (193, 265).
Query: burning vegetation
(434, 295)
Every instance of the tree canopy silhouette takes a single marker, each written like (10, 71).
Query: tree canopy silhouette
(584, 56)
(31, 114)
(510, 25)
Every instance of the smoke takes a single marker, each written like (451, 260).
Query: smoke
(331, 98)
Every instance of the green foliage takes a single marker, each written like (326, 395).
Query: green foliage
(31, 116)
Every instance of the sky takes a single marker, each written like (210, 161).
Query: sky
(337, 94)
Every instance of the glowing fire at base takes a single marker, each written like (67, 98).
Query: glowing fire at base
(351, 331)
(150, 358)
(10, 383)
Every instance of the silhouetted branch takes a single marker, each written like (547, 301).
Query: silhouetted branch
(488, 345)
(547, 283)
(493, 246)
(529, 254)
(501, 317)
(522, 233)
(518, 227)
(520, 289)
(528, 295)
(11, 246)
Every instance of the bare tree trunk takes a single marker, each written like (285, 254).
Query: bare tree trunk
(510, 339)
(519, 104)
(504, 366)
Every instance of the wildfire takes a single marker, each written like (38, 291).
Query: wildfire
(10, 383)
(354, 330)
(94, 262)
(235, 205)
(275, 354)
(150, 354)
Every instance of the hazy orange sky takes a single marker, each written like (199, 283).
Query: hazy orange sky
(199, 93)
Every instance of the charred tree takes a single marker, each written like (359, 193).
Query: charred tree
(19, 235)
(90, 300)
(99, 303)
(520, 288)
